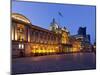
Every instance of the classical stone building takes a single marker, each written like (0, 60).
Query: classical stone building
(65, 35)
(28, 39)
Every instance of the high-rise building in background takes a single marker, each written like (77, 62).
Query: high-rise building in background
(84, 38)
(82, 31)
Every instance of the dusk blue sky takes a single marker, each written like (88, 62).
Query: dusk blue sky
(74, 16)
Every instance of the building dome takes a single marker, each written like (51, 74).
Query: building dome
(54, 25)
(20, 17)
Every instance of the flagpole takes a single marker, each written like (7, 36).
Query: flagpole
(60, 15)
(59, 19)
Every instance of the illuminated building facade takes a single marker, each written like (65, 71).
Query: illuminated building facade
(64, 33)
(76, 44)
(28, 39)
(84, 39)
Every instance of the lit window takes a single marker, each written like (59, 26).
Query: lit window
(21, 46)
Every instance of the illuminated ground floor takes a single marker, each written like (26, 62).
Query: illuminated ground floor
(52, 63)
(32, 49)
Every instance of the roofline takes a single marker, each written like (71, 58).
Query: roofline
(22, 16)
(33, 26)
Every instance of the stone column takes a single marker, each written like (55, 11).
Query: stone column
(15, 28)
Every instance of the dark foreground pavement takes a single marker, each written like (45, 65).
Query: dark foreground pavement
(52, 63)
